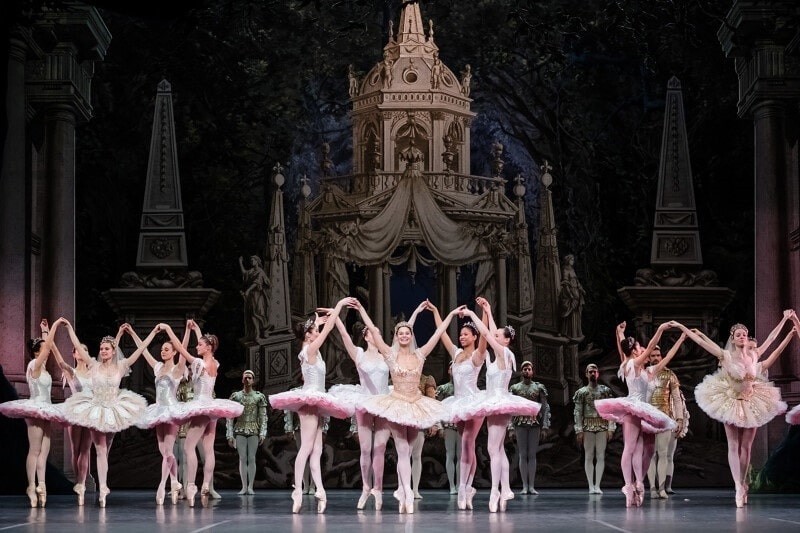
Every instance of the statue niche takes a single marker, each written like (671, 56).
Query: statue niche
(412, 142)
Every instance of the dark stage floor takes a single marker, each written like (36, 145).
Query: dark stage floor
(552, 510)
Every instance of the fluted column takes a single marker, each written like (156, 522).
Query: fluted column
(14, 250)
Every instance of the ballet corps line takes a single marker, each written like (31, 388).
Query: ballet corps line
(738, 394)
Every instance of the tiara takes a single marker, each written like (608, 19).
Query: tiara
(402, 324)
(511, 331)
(471, 325)
(309, 324)
(110, 340)
(738, 326)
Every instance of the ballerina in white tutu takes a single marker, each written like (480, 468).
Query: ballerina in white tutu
(463, 407)
(312, 403)
(405, 408)
(501, 405)
(79, 379)
(167, 414)
(103, 407)
(203, 410)
(793, 415)
(373, 432)
(739, 393)
(38, 412)
(640, 420)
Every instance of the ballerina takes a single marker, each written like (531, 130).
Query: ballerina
(793, 415)
(464, 406)
(38, 412)
(103, 407)
(80, 438)
(203, 410)
(373, 432)
(405, 409)
(312, 403)
(739, 394)
(640, 420)
(167, 414)
(501, 404)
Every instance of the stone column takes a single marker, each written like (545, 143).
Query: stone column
(375, 280)
(59, 249)
(502, 291)
(14, 255)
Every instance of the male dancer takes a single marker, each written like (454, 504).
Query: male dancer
(666, 396)
(591, 430)
(526, 430)
(249, 430)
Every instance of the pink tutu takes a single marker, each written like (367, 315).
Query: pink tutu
(793, 416)
(156, 415)
(324, 403)
(504, 403)
(420, 412)
(727, 400)
(33, 409)
(653, 420)
(212, 408)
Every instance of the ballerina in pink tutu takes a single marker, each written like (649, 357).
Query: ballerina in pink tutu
(203, 410)
(464, 407)
(640, 420)
(501, 404)
(167, 414)
(405, 409)
(103, 407)
(312, 403)
(739, 393)
(793, 415)
(79, 379)
(373, 432)
(38, 412)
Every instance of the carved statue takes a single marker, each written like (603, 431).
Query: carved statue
(436, 72)
(326, 165)
(497, 158)
(352, 81)
(571, 299)
(672, 278)
(386, 70)
(256, 298)
(466, 79)
(166, 280)
(414, 158)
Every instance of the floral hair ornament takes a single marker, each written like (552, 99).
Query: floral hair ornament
(511, 333)
(110, 340)
(738, 326)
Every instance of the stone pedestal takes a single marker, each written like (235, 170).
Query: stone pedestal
(552, 363)
(272, 362)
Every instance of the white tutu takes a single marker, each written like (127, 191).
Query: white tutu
(32, 409)
(157, 414)
(352, 395)
(212, 408)
(106, 409)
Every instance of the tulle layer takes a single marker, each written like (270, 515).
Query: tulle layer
(352, 395)
(420, 412)
(483, 404)
(325, 404)
(213, 408)
(653, 420)
(156, 414)
(105, 411)
(33, 409)
(721, 397)
(793, 416)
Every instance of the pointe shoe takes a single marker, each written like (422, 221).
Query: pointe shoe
(160, 493)
(362, 501)
(31, 492)
(297, 500)
(494, 500)
(204, 490)
(41, 492)
(628, 491)
(322, 500)
(639, 494)
(410, 504)
(191, 492)
(175, 492)
(80, 490)
(503, 504)
(378, 495)
(470, 494)
(462, 498)
(739, 496)
(399, 496)
(507, 495)
(101, 499)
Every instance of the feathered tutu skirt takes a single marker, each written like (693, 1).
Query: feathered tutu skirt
(653, 420)
(108, 411)
(419, 412)
(158, 414)
(793, 416)
(33, 409)
(323, 403)
(731, 401)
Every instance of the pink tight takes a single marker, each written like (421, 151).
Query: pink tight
(166, 435)
(403, 437)
(469, 462)
(310, 450)
(202, 429)
(373, 434)
(740, 445)
(38, 449)
(497, 427)
(80, 439)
